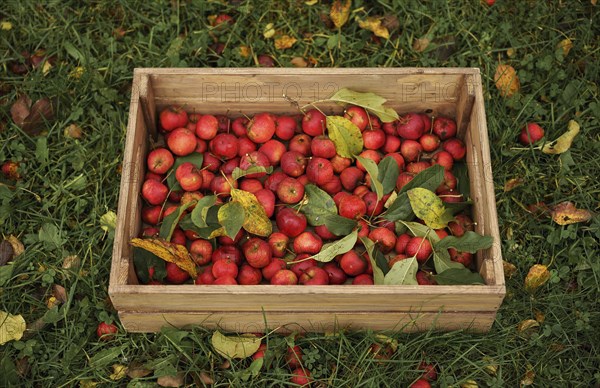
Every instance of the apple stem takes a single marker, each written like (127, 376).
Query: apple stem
(294, 103)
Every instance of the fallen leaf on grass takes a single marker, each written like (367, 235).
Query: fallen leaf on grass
(87, 384)
(469, 384)
(529, 377)
(12, 327)
(5, 26)
(527, 325)
(73, 131)
(512, 184)
(108, 221)
(420, 44)
(136, 370)
(563, 143)
(491, 366)
(537, 276)
(173, 253)
(172, 381)
(539, 316)
(565, 213)
(511, 52)
(339, 12)
(285, 42)
(269, 31)
(507, 81)
(205, 378)
(299, 62)
(238, 346)
(509, 269)
(71, 262)
(565, 46)
(17, 245)
(30, 118)
(6, 252)
(60, 293)
(119, 371)
(374, 25)
(244, 51)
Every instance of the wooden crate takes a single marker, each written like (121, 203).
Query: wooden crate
(455, 92)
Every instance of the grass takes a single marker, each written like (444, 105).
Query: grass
(69, 184)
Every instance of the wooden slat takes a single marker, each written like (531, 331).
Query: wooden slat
(284, 322)
(303, 298)
(147, 102)
(464, 104)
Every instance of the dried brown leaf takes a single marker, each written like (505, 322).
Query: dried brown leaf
(285, 42)
(507, 81)
(339, 12)
(529, 377)
(420, 44)
(71, 262)
(565, 213)
(59, 293)
(31, 118)
(20, 110)
(537, 276)
(512, 184)
(205, 378)
(136, 370)
(509, 269)
(299, 62)
(539, 316)
(491, 366)
(73, 131)
(527, 325)
(23, 366)
(6, 252)
(171, 381)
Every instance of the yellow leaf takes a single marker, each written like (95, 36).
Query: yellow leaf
(374, 25)
(285, 42)
(119, 371)
(507, 81)
(565, 213)
(385, 340)
(108, 221)
(238, 346)
(299, 62)
(173, 253)
(17, 245)
(244, 51)
(528, 378)
(420, 44)
(256, 221)
(269, 31)
(565, 45)
(527, 324)
(469, 384)
(511, 52)
(513, 183)
(217, 233)
(77, 72)
(339, 12)
(539, 316)
(311, 2)
(509, 269)
(74, 131)
(51, 302)
(46, 67)
(537, 276)
(5, 26)
(429, 207)
(563, 143)
(87, 384)
(345, 135)
(491, 366)
(12, 327)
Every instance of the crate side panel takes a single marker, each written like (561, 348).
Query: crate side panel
(285, 322)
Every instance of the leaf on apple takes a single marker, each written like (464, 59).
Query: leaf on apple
(339, 12)
(143, 260)
(338, 225)
(401, 209)
(173, 253)
(345, 135)
(239, 173)
(469, 242)
(374, 25)
(563, 143)
(330, 250)
(12, 327)
(403, 272)
(565, 213)
(235, 346)
(316, 205)
(388, 172)
(169, 223)
(378, 261)
(419, 230)
(537, 276)
(232, 217)
(373, 172)
(256, 220)
(453, 276)
(442, 261)
(370, 101)
(429, 208)
(200, 212)
(507, 81)
(196, 158)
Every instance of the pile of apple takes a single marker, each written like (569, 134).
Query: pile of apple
(278, 157)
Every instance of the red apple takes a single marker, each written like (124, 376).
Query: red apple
(375, 156)
(261, 128)
(229, 252)
(175, 275)
(374, 139)
(301, 143)
(207, 127)
(531, 133)
(314, 276)
(313, 123)
(425, 279)
(358, 116)
(154, 192)
(444, 159)
(249, 275)
(225, 280)
(444, 127)
(293, 163)
(392, 144)
(201, 251)
(411, 150)
(340, 163)
(257, 252)
(267, 199)
(353, 264)
(385, 238)
(106, 331)
(273, 150)
(239, 126)
(352, 207)
(182, 141)
(410, 126)
(274, 266)
(290, 191)
(290, 222)
(351, 177)
(419, 247)
(173, 117)
(224, 146)
(323, 147)
(285, 127)
(273, 180)
(284, 277)
(335, 273)
(455, 147)
(430, 142)
(402, 242)
(307, 242)
(254, 159)
(278, 243)
(319, 170)
(225, 267)
(152, 215)
(160, 160)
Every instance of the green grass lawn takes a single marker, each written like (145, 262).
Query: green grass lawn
(68, 183)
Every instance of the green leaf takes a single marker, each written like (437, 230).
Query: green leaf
(373, 172)
(196, 158)
(442, 261)
(235, 346)
(420, 230)
(378, 261)
(41, 150)
(232, 217)
(403, 272)
(429, 207)
(6, 273)
(143, 260)
(469, 242)
(388, 174)
(107, 356)
(338, 225)
(330, 250)
(370, 101)
(316, 205)
(454, 276)
(401, 209)
(169, 223)
(255, 219)
(345, 135)
(200, 212)
(253, 370)
(461, 173)
(50, 235)
(239, 173)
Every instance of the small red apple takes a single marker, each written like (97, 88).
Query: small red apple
(173, 117)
